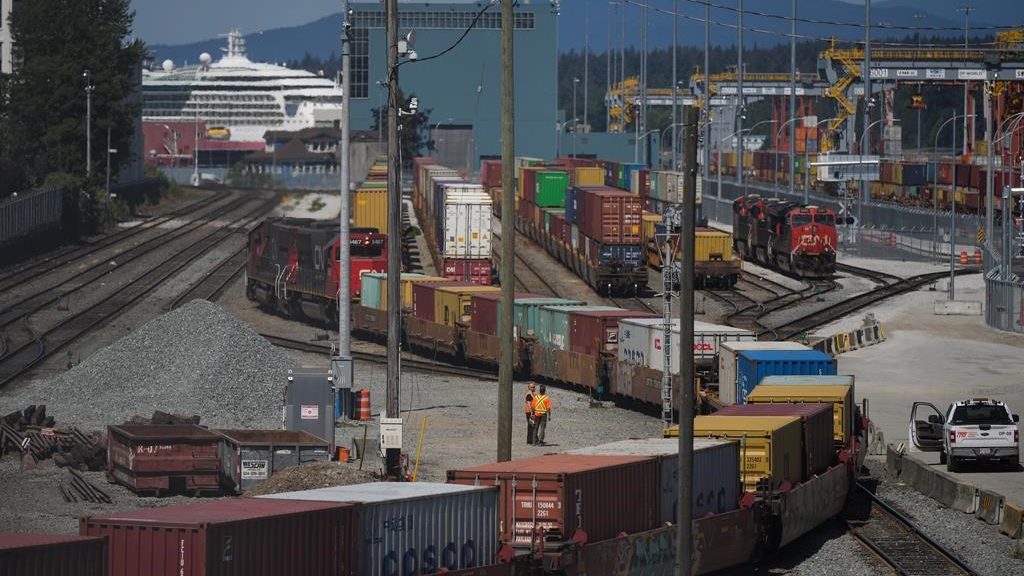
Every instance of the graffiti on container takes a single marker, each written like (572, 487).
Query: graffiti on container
(151, 449)
(715, 500)
(412, 562)
(635, 357)
(648, 554)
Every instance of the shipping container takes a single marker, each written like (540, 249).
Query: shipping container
(770, 446)
(249, 457)
(453, 304)
(550, 188)
(641, 341)
(727, 356)
(712, 246)
(370, 209)
(835, 390)
(423, 297)
(490, 173)
(527, 312)
(618, 256)
(572, 205)
(553, 324)
(752, 365)
(560, 494)
(52, 555)
(716, 488)
(473, 270)
(594, 331)
(249, 536)
(416, 528)
(164, 458)
(485, 310)
(816, 429)
(608, 216)
(466, 231)
(589, 176)
(527, 183)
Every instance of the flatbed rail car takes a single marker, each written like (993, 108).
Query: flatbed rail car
(788, 236)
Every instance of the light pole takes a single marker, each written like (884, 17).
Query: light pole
(919, 16)
(559, 126)
(865, 192)
(807, 161)
(935, 180)
(646, 147)
(792, 156)
(966, 10)
(741, 109)
(88, 120)
(575, 82)
(666, 129)
(792, 102)
(110, 150)
(380, 112)
(740, 132)
(952, 214)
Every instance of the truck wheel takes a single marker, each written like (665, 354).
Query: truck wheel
(951, 464)
(942, 457)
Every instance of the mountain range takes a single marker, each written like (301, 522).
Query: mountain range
(814, 22)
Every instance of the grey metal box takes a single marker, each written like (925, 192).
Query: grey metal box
(309, 403)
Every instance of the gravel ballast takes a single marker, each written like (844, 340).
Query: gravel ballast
(198, 359)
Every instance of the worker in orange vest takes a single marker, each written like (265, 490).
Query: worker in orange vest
(528, 409)
(541, 415)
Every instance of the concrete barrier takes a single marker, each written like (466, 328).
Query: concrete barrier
(836, 344)
(1013, 520)
(957, 308)
(966, 499)
(930, 481)
(990, 507)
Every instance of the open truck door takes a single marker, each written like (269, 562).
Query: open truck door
(926, 427)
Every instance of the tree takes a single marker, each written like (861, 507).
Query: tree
(55, 42)
(411, 129)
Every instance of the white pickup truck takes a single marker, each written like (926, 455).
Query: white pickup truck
(979, 430)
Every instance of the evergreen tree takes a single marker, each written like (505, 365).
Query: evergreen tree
(410, 129)
(55, 42)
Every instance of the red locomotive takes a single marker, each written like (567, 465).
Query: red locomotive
(789, 236)
(293, 265)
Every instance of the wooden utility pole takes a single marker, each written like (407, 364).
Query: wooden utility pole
(684, 547)
(394, 371)
(508, 235)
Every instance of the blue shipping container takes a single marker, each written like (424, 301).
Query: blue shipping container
(571, 206)
(753, 365)
(620, 255)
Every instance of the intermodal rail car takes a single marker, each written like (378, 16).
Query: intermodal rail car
(795, 238)
(293, 265)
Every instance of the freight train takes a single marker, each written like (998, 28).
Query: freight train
(791, 237)
(293, 265)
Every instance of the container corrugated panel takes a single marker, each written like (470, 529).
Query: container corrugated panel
(452, 304)
(249, 457)
(550, 188)
(727, 357)
(467, 222)
(816, 426)
(52, 555)
(164, 458)
(708, 340)
(417, 527)
(716, 488)
(712, 245)
(600, 495)
(476, 271)
(834, 390)
(485, 313)
(753, 365)
(770, 446)
(231, 537)
(527, 312)
(589, 176)
(595, 331)
(553, 324)
(370, 209)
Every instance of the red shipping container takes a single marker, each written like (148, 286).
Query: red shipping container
(528, 182)
(945, 173)
(594, 331)
(52, 555)
(599, 495)
(490, 173)
(525, 209)
(609, 216)
(250, 536)
(423, 300)
(645, 182)
(164, 458)
(976, 177)
(558, 228)
(476, 271)
(484, 318)
(817, 428)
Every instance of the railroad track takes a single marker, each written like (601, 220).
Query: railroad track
(527, 277)
(24, 355)
(50, 263)
(748, 312)
(215, 281)
(900, 544)
(873, 275)
(418, 364)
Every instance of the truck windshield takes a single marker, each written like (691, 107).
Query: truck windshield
(980, 414)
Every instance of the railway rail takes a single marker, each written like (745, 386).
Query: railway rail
(895, 539)
(215, 282)
(24, 355)
(531, 280)
(873, 275)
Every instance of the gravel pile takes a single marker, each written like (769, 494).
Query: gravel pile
(198, 359)
(310, 476)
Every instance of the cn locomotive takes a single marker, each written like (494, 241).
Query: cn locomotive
(794, 238)
(293, 265)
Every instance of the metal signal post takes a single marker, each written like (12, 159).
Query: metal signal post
(505, 367)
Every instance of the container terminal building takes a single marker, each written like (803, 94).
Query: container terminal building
(461, 90)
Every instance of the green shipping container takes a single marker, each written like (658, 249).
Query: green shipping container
(527, 312)
(553, 324)
(551, 187)
(373, 283)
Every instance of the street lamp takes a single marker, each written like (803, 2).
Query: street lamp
(778, 134)
(575, 82)
(644, 138)
(865, 151)
(807, 161)
(380, 112)
(674, 164)
(88, 120)
(952, 214)
(740, 132)
(559, 127)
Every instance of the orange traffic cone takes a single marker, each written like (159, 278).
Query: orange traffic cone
(963, 257)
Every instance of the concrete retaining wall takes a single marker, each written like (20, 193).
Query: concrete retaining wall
(957, 308)
(990, 507)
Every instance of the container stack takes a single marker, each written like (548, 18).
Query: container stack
(370, 199)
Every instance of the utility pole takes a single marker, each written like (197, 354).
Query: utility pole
(88, 121)
(508, 233)
(341, 363)
(990, 162)
(739, 101)
(641, 128)
(608, 57)
(952, 222)
(919, 16)
(966, 10)
(684, 546)
(675, 86)
(393, 455)
(792, 99)
(586, 70)
(707, 101)
(865, 143)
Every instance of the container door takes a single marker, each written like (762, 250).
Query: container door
(926, 427)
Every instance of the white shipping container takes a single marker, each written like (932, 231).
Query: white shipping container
(467, 222)
(708, 338)
(575, 237)
(716, 485)
(728, 356)
(441, 525)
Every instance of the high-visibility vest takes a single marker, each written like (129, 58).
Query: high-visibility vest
(541, 404)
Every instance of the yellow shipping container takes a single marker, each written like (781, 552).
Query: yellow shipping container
(770, 446)
(589, 176)
(839, 396)
(370, 209)
(650, 219)
(407, 282)
(712, 245)
(452, 303)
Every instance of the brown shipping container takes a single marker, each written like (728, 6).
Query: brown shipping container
(591, 332)
(816, 426)
(52, 555)
(164, 458)
(601, 495)
(609, 216)
(484, 311)
(235, 537)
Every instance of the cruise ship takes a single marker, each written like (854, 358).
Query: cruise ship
(236, 99)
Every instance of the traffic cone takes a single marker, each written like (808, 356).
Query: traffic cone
(963, 257)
